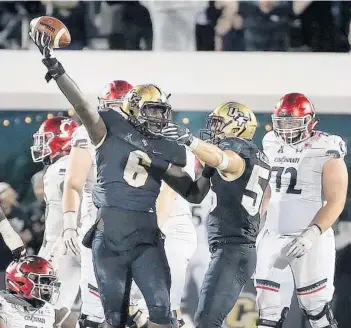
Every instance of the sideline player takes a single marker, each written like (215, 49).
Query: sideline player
(77, 198)
(126, 238)
(308, 191)
(12, 240)
(51, 146)
(239, 174)
(31, 289)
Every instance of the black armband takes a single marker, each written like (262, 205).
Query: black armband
(55, 69)
(208, 172)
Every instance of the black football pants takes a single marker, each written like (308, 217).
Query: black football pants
(118, 261)
(230, 268)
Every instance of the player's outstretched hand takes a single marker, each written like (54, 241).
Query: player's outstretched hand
(42, 41)
(303, 243)
(173, 132)
(19, 253)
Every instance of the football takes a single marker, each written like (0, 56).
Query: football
(59, 33)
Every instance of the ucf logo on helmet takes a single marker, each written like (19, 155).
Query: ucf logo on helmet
(238, 115)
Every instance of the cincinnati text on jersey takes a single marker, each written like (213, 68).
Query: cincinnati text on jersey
(286, 160)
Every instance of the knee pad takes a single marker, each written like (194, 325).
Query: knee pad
(85, 323)
(273, 324)
(160, 315)
(323, 319)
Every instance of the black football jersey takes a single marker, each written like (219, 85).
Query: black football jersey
(236, 218)
(121, 181)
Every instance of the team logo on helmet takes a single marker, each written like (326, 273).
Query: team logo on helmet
(238, 116)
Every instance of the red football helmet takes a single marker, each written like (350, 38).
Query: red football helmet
(294, 118)
(53, 138)
(112, 95)
(32, 278)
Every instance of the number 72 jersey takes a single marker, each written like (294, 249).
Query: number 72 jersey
(296, 179)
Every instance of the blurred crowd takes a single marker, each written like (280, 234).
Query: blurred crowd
(318, 26)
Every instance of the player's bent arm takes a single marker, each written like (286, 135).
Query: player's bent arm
(79, 165)
(164, 204)
(335, 183)
(225, 161)
(180, 181)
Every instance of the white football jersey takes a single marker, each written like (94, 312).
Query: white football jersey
(53, 178)
(296, 179)
(88, 211)
(16, 316)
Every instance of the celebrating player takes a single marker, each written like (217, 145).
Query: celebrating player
(31, 289)
(239, 174)
(51, 147)
(78, 188)
(126, 241)
(308, 191)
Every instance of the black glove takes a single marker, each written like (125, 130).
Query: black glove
(19, 253)
(173, 132)
(43, 41)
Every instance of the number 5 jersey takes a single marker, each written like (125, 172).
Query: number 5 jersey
(236, 218)
(296, 179)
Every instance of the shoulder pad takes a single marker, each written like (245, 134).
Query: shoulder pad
(80, 138)
(238, 145)
(13, 299)
(268, 139)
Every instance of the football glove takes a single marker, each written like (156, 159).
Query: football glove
(303, 243)
(173, 132)
(70, 235)
(42, 41)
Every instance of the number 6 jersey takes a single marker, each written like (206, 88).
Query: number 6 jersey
(296, 179)
(122, 182)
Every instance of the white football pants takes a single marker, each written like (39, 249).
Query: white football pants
(313, 274)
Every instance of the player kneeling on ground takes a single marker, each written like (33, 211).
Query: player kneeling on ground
(31, 289)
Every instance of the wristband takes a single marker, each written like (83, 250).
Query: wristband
(194, 143)
(224, 163)
(319, 228)
(70, 220)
